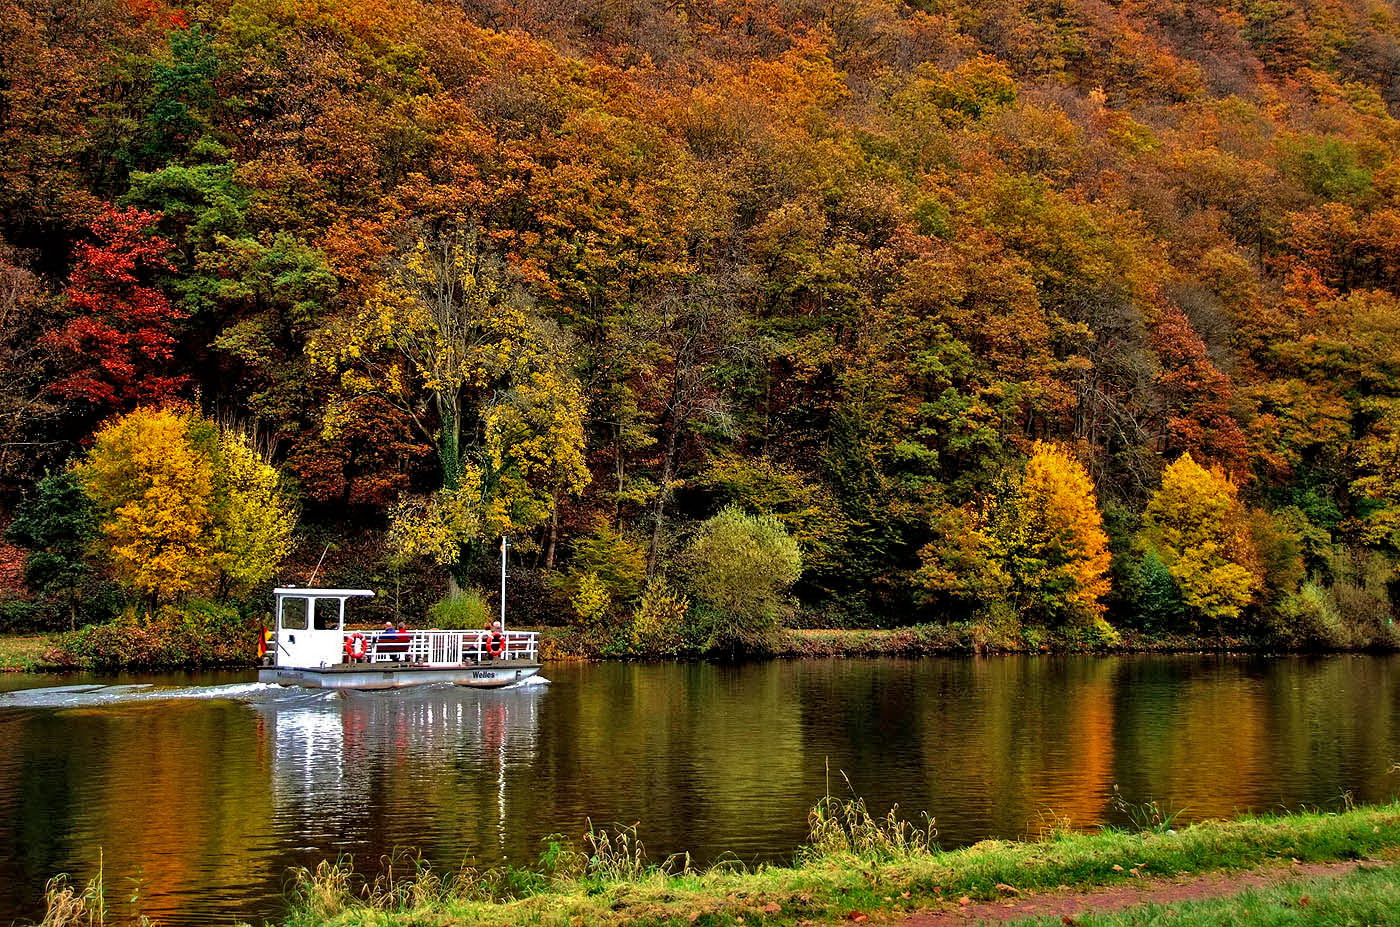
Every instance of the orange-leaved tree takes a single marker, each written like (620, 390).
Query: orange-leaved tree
(1048, 534)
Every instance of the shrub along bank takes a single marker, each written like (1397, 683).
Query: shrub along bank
(204, 634)
(954, 639)
(853, 864)
(195, 634)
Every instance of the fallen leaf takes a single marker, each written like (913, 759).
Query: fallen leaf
(1066, 919)
(1117, 868)
(904, 894)
(1007, 889)
(1304, 901)
(857, 917)
(964, 900)
(772, 907)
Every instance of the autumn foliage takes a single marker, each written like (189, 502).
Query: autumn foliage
(117, 348)
(1196, 525)
(1051, 536)
(183, 509)
(508, 266)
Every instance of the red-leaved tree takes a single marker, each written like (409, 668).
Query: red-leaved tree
(117, 346)
(1197, 395)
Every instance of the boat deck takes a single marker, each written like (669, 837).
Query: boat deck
(486, 675)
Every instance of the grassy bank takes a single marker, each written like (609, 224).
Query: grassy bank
(854, 864)
(25, 653)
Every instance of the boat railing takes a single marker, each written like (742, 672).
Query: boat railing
(447, 648)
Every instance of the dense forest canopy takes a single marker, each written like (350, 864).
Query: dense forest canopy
(589, 272)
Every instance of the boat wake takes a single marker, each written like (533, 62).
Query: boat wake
(84, 696)
(95, 694)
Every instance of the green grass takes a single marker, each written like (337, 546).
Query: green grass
(856, 863)
(25, 652)
(1366, 896)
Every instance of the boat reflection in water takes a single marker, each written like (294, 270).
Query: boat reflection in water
(364, 772)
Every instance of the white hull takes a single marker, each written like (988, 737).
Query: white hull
(396, 676)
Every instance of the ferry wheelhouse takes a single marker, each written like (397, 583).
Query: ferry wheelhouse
(311, 646)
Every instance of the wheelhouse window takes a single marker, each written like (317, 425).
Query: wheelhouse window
(294, 614)
(328, 614)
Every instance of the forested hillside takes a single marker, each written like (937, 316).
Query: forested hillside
(587, 272)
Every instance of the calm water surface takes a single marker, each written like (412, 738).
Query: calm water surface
(202, 796)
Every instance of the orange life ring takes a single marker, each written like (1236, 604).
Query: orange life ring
(497, 646)
(355, 646)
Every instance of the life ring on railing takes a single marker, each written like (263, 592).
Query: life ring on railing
(356, 647)
(497, 645)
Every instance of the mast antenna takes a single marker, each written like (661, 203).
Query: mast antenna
(504, 544)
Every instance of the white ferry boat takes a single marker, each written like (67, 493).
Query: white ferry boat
(310, 646)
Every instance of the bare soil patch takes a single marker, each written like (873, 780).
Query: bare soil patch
(1068, 904)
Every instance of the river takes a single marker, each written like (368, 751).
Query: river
(199, 792)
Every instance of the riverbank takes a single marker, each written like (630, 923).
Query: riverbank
(24, 653)
(38, 652)
(926, 640)
(855, 867)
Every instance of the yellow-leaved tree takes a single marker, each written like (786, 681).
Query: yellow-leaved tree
(1198, 528)
(151, 487)
(183, 508)
(253, 521)
(1048, 536)
(507, 411)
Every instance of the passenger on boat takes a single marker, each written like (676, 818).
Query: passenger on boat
(388, 642)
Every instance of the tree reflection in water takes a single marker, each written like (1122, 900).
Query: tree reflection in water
(204, 802)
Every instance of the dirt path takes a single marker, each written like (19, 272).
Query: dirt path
(1069, 904)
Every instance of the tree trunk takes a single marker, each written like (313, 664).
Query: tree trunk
(659, 510)
(620, 469)
(553, 536)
